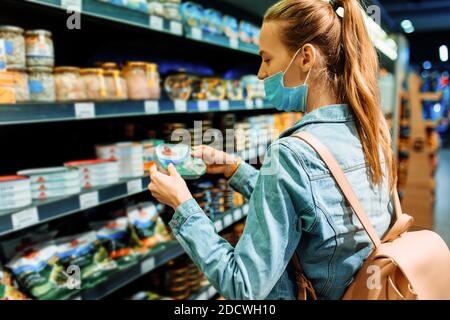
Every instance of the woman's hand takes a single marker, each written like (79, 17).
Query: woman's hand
(217, 162)
(168, 189)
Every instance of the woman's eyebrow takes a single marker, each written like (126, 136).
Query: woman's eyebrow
(262, 52)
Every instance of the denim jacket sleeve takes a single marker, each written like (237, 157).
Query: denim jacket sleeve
(244, 179)
(272, 233)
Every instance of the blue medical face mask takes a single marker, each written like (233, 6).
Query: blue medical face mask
(284, 98)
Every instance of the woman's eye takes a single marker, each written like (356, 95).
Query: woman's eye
(266, 60)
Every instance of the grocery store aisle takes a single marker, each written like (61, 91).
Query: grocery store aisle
(442, 206)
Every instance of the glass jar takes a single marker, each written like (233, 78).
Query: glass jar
(68, 84)
(178, 86)
(116, 87)
(41, 84)
(94, 83)
(7, 92)
(39, 48)
(109, 66)
(14, 43)
(135, 74)
(20, 84)
(153, 81)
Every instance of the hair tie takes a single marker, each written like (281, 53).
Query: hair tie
(335, 4)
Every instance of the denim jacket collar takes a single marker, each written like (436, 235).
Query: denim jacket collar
(332, 114)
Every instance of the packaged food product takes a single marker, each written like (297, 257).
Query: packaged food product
(20, 84)
(38, 270)
(41, 84)
(39, 48)
(68, 84)
(212, 21)
(8, 290)
(107, 151)
(116, 87)
(94, 83)
(15, 192)
(230, 27)
(149, 152)
(253, 87)
(235, 91)
(215, 88)
(7, 87)
(115, 236)
(178, 86)
(198, 88)
(153, 81)
(131, 159)
(147, 228)
(14, 43)
(246, 32)
(85, 251)
(140, 5)
(172, 11)
(192, 14)
(97, 172)
(135, 74)
(180, 156)
(51, 175)
(54, 193)
(155, 7)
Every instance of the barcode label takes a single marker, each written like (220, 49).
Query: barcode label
(89, 200)
(202, 105)
(156, 23)
(151, 107)
(84, 110)
(224, 105)
(25, 218)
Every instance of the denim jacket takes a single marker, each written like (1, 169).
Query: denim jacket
(294, 204)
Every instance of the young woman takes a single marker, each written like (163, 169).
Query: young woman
(317, 62)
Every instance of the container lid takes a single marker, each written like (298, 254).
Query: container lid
(110, 66)
(111, 72)
(16, 68)
(11, 29)
(38, 32)
(40, 69)
(44, 171)
(66, 69)
(12, 178)
(97, 71)
(136, 64)
(88, 162)
(152, 67)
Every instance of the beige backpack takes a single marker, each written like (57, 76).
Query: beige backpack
(402, 266)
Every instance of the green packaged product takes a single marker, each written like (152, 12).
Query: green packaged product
(8, 290)
(180, 156)
(86, 253)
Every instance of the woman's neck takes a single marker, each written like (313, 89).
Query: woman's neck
(320, 99)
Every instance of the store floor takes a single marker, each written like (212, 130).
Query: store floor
(442, 206)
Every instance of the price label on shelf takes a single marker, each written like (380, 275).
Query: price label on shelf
(234, 43)
(180, 106)
(84, 110)
(25, 218)
(88, 200)
(224, 105)
(227, 220)
(218, 225)
(156, 23)
(249, 104)
(196, 33)
(202, 105)
(211, 292)
(134, 186)
(245, 209)
(202, 296)
(259, 103)
(75, 5)
(147, 265)
(151, 107)
(252, 154)
(261, 150)
(237, 214)
(176, 28)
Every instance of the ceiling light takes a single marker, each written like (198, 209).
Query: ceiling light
(443, 53)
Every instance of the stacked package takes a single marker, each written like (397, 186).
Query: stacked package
(96, 173)
(15, 192)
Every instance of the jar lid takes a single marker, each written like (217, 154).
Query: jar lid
(40, 69)
(96, 71)
(16, 68)
(110, 65)
(66, 69)
(11, 29)
(38, 32)
(110, 72)
(135, 64)
(153, 67)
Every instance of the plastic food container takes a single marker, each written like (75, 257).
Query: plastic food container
(179, 155)
(50, 175)
(15, 192)
(20, 84)
(39, 48)
(53, 193)
(230, 27)
(7, 88)
(135, 74)
(41, 84)
(156, 8)
(94, 83)
(212, 21)
(68, 84)
(116, 87)
(56, 185)
(178, 86)
(14, 43)
(96, 172)
(153, 80)
(172, 11)
(108, 152)
(131, 159)
(192, 14)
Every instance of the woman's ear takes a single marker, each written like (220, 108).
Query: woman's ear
(308, 57)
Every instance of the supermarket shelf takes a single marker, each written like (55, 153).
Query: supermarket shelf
(431, 96)
(41, 211)
(127, 16)
(161, 255)
(206, 293)
(52, 112)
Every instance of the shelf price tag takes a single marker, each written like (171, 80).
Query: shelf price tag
(25, 218)
(249, 104)
(72, 4)
(180, 106)
(202, 105)
(227, 220)
(88, 200)
(234, 43)
(224, 105)
(211, 291)
(218, 225)
(252, 154)
(245, 209)
(259, 103)
(147, 265)
(197, 33)
(156, 23)
(237, 214)
(202, 296)
(176, 28)
(151, 107)
(84, 110)
(134, 186)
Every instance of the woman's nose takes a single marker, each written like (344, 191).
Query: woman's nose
(262, 74)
